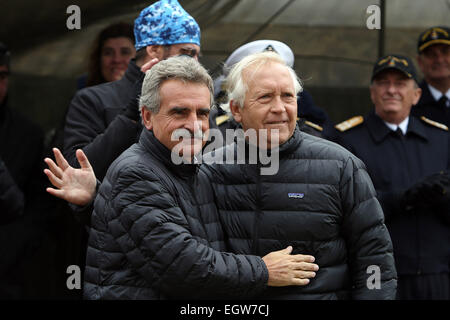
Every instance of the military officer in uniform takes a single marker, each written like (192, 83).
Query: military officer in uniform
(311, 119)
(434, 61)
(408, 159)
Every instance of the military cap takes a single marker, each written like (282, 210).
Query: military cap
(259, 46)
(395, 61)
(431, 36)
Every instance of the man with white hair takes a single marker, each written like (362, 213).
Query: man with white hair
(321, 199)
(310, 117)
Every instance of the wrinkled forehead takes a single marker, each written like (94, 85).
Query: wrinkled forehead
(252, 73)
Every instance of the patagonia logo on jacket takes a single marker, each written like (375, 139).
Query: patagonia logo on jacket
(296, 195)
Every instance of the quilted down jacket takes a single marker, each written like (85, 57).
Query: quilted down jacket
(155, 234)
(322, 202)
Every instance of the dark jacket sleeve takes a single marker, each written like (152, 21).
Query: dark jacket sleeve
(154, 234)
(86, 129)
(12, 199)
(368, 241)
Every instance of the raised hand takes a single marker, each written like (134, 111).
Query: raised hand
(76, 186)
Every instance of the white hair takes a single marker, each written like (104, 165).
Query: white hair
(235, 84)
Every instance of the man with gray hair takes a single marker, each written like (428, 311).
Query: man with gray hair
(104, 120)
(155, 232)
(321, 200)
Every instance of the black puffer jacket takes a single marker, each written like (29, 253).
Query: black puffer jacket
(94, 122)
(322, 202)
(155, 234)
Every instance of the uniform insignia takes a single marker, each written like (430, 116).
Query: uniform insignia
(270, 48)
(350, 123)
(434, 35)
(434, 123)
(221, 119)
(313, 125)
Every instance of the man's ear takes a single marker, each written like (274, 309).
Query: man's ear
(155, 51)
(372, 93)
(417, 95)
(236, 111)
(147, 118)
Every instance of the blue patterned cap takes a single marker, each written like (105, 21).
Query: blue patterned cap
(163, 23)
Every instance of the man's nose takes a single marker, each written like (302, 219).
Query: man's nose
(192, 123)
(278, 105)
(391, 88)
(439, 57)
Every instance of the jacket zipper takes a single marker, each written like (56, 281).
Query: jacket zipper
(258, 212)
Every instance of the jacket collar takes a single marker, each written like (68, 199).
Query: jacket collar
(293, 142)
(379, 130)
(426, 98)
(285, 149)
(133, 71)
(162, 154)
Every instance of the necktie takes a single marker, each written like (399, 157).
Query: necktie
(443, 102)
(399, 132)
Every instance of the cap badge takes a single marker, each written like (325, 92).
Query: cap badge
(434, 35)
(270, 48)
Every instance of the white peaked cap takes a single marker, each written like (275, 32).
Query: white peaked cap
(259, 46)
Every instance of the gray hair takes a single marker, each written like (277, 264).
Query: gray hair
(181, 68)
(235, 84)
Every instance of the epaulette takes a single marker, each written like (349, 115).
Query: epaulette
(221, 119)
(313, 125)
(434, 123)
(350, 123)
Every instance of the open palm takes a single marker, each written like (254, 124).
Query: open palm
(76, 186)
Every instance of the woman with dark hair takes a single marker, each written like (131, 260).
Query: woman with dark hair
(112, 51)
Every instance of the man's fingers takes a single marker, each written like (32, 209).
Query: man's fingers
(299, 282)
(287, 250)
(304, 274)
(83, 160)
(53, 179)
(56, 192)
(60, 160)
(53, 167)
(303, 258)
(308, 266)
(147, 66)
